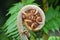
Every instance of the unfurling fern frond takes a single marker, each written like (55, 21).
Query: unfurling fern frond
(10, 27)
(52, 20)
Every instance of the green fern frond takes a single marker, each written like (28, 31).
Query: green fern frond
(26, 2)
(52, 20)
(54, 38)
(16, 7)
(10, 26)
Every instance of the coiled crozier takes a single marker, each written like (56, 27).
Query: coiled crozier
(32, 17)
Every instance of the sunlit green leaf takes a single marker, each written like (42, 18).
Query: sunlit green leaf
(27, 1)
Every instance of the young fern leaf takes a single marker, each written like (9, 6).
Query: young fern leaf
(52, 20)
(10, 27)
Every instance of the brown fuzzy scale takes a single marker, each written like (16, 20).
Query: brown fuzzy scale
(34, 25)
(35, 18)
(26, 33)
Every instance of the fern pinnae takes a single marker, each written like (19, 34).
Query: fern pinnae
(16, 35)
(10, 31)
(13, 33)
(12, 25)
(10, 20)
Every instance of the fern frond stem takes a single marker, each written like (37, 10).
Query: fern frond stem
(45, 8)
(45, 36)
(45, 5)
(22, 1)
